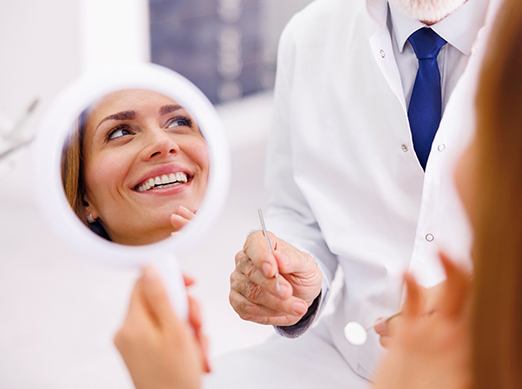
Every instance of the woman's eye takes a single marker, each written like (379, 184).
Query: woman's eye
(118, 133)
(179, 122)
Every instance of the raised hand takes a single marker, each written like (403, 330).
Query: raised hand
(273, 286)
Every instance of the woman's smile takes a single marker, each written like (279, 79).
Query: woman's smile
(144, 156)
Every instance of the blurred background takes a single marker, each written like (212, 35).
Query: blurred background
(59, 309)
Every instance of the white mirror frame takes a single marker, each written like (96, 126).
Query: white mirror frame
(56, 125)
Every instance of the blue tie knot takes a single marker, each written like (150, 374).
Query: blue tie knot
(426, 43)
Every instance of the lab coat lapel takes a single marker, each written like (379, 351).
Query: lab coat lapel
(382, 50)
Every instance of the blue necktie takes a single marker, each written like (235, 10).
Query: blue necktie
(425, 108)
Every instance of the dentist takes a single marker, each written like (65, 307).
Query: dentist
(373, 102)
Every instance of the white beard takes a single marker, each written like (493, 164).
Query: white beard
(430, 11)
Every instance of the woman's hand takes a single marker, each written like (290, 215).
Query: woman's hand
(181, 217)
(160, 350)
(431, 350)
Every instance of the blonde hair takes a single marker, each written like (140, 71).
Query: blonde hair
(497, 303)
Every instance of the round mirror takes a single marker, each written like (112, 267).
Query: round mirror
(133, 167)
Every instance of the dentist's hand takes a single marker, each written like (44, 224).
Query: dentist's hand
(274, 289)
(161, 350)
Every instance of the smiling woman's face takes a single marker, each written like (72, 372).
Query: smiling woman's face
(143, 157)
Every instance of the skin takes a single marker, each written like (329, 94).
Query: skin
(159, 349)
(273, 288)
(121, 151)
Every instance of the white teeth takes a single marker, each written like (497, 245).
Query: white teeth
(172, 178)
(181, 177)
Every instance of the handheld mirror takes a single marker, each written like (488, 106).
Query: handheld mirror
(133, 167)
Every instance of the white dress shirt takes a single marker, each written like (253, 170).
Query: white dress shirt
(458, 29)
(343, 180)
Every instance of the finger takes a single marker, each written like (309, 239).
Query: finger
(258, 251)
(188, 280)
(259, 314)
(388, 327)
(186, 213)
(257, 295)
(457, 287)
(385, 341)
(381, 327)
(290, 261)
(178, 222)
(157, 299)
(194, 314)
(137, 308)
(196, 323)
(207, 367)
(413, 305)
(137, 319)
(277, 286)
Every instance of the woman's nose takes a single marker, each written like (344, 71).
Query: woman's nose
(160, 145)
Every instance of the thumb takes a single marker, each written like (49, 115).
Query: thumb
(157, 299)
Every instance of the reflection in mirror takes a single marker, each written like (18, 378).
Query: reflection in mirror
(135, 167)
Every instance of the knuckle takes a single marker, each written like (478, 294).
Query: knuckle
(243, 311)
(251, 238)
(253, 291)
(124, 336)
(265, 320)
(233, 279)
(239, 256)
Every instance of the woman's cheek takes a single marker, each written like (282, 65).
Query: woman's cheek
(197, 151)
(107, 171)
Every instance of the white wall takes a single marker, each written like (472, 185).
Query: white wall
(39, 43)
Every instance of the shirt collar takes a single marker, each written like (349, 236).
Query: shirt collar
(459, 29)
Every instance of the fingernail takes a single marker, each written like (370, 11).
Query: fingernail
(380, 326)
(299, 308)
(267, 269)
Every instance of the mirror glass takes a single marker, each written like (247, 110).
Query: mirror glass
(135, 166)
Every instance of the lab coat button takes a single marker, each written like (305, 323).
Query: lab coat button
(441, 147)
(383, 54)
(429, 237)
(404, 148)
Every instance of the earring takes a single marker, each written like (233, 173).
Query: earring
(90, 218)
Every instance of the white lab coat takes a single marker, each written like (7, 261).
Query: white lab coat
(343, 179)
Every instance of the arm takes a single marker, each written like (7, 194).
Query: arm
(289, 215)
(284, 286)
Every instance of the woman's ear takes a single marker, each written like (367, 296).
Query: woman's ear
(90, 213)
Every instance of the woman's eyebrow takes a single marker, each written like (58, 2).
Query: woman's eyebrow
(124, 115)
(169, 108)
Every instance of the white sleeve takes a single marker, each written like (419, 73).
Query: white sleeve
(289, 215)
